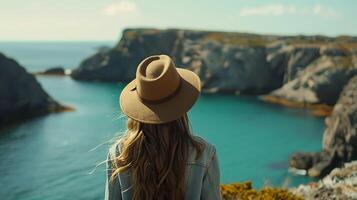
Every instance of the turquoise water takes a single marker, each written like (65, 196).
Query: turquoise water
(54, 157)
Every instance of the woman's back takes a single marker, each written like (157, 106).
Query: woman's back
(201, 177)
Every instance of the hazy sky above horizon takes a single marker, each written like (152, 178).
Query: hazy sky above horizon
(105, 19)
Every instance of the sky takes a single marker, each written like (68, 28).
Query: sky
(104, 20)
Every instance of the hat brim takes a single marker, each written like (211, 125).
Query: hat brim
(165, 111)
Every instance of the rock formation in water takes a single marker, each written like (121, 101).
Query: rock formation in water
(312, 68)
(339, 184)
(21, 96)
(339, 139)
(56, 71)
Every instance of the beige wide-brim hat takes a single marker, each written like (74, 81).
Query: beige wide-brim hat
(160, 92)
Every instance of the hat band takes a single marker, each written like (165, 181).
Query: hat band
(159, 101)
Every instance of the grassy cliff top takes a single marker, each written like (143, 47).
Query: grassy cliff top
(248, 39)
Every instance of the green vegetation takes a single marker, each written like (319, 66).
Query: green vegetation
(244, 40)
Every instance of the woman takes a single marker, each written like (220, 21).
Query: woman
(158, 158)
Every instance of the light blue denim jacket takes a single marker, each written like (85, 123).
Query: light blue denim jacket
(201, 182)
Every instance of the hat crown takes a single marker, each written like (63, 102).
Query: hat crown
(156, 78)
(154, 69)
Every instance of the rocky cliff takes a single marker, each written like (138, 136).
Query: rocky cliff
(312, 69)
(340, 137)
(321, 80)
(21, 96)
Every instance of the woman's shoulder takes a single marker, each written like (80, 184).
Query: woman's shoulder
(208, 151)
(114, 149)
(207, 145)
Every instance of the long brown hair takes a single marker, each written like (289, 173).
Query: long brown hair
(156, 156)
